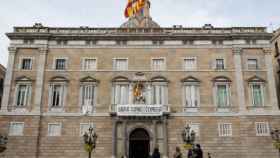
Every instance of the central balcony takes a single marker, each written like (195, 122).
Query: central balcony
(139, 110)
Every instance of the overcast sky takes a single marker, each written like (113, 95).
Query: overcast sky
(109, 13)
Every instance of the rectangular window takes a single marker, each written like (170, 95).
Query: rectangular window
(190, 63)
(87, 94)
(23, 95)
(158, 64)
(262, 129)
(120, 64)
(225, 130)
(57, 94)
(159, 95)
(252, 64)
(89, 64)
(220, 65)
(121, 94)
(222, 95)
(16, 129)
(54, 129)
(26, 64)
(84, 127)
(257, 95)
(191, 96)
(60, 64)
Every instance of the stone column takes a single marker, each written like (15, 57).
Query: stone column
(125, 138)
(154, 143)
(270, 78)
(40, 78)
(165, 138)
(130, 94)
(239, 79)
(8, 79)
(114, 139)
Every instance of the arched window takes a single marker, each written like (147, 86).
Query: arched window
(57, 93)
(88, 94)
(256, 91)
(159, 90)
(191, 97)
(23, 92)
(222, 92)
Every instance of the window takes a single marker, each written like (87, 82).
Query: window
(222, 95)
(54, 129)
(16, 129)
(121, 94)
(257, 94)
(88, 95)
(84, 127)
(89, 64)
(120, 64)
(23, 95)
(60, 64)
(220, 65)
(158, 64)
(262, 129)
(191, 95)
(225, 129)
(252, 64)
(190, 63)
(57, 95)
(159, 96)
(26, 64)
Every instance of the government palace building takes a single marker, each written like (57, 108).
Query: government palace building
(138, 86)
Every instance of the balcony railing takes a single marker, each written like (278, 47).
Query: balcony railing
(139, 110)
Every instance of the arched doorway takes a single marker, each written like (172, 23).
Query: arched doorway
(139, 143)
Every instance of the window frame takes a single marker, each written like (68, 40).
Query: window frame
(50, 101)
(60, 129)
(267, 128)
(222, 133)
(185, 65)
(257, 64)
(115, 62)
(66, 63)
(84, 61)
(197, 87)
(262, 86)
(29, 99)
(158, 58)
(91, 124)
(22, 130)
(224, 64)
(95, 89)
(21, 58)
(228, 88)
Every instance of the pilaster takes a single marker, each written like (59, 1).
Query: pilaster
(8, 79)
(165, 138)
(40, 78)
(239, 78)
(114, 139)
(270, 78)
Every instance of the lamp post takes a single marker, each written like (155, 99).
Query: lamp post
(275, 135)
(90, 138)
(188, 138)
(3, 143)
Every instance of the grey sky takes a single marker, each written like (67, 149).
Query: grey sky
(109, 13)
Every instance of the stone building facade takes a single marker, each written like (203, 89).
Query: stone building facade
(276, 62)
(139, 86)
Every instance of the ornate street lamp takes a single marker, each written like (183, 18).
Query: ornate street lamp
(3, 143)
(188, 137)
(90, 138)
(275, 135)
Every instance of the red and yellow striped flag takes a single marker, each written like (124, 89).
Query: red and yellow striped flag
(133, 7)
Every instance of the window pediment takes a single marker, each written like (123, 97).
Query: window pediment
(190, 79)
(120, 79)
(255, 79)
(159, 79)
(89, 79)
(59, 79)
(23, 79)
(221, 79)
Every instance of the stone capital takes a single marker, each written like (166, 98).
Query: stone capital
(237, 50)
(12, 49)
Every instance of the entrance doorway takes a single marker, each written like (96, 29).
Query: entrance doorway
(139, 143)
